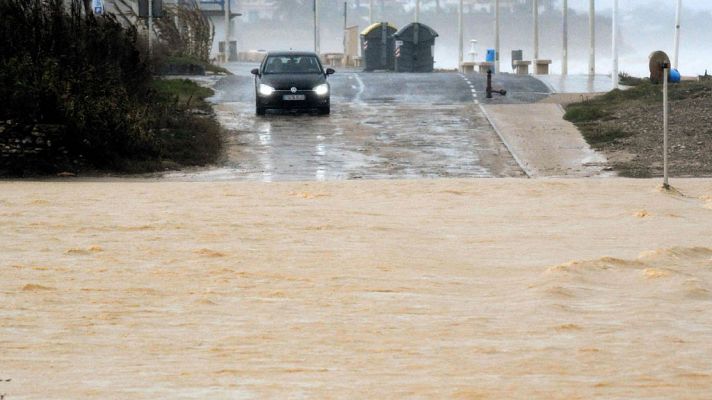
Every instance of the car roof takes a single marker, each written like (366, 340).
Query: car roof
(291, 53)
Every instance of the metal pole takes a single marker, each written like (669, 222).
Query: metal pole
(666, 71)
(496, 36)
(316, 26)
(226, 7)
(565, 41)
(370, 12)
(677, 34)
(417, 10)
(150, 27)
(346, 24)
(535, 12)
(460, 29)
(614, 47)
(592, 37)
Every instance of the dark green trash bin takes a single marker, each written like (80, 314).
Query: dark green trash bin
(377, 45)
(414, 48)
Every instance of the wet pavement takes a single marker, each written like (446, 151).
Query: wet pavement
(577, 83)
(382, 126)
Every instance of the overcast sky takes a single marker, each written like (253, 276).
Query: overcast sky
(627, 4)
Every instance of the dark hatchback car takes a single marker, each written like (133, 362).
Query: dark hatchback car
(292, 80)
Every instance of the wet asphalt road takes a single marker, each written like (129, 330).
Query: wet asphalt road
(382, 126)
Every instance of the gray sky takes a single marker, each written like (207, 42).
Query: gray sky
(628, 4)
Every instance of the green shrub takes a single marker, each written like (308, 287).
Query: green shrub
(584, 112)
(86, 74)
(603, 134)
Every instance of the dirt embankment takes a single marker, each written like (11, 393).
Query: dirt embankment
(627, 126)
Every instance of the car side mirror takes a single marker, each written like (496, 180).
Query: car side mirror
(255, 71)
(330, 71)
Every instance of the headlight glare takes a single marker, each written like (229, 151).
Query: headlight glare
(266, 90)
(322, 89)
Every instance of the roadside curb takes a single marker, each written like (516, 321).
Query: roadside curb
(504, 141)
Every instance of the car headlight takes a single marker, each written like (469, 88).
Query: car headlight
(266, 90)
(322, 89)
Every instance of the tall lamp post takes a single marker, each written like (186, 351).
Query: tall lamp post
(316, 26)
(417, 10)
(370, 11)
(460, 36)
(226, 7)
(496, 36)
(565, 41)
(592, 37)
(678, 14)
(150, 27)
(614, 46)
(535, 16)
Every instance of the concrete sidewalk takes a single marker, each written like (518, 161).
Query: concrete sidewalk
(577, 83)
(545, 144)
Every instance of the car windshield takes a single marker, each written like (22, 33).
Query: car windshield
(292, 65)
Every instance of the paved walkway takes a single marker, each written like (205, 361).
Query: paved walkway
(577, 83)
(545, 144)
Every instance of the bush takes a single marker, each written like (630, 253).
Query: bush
(85, 74)
(584, 113)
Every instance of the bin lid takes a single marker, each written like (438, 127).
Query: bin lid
(425, 33)
(375, 26)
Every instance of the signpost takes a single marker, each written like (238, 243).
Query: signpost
(666, 74)
(98, 7)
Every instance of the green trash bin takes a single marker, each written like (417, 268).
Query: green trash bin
(377, 45)
(415, 48)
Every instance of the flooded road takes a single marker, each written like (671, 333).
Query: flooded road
(409, 289)
(382, 126)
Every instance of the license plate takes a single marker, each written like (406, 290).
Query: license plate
(293, 97)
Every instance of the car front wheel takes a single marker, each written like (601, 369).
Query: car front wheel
(324, 110)
(259, 110)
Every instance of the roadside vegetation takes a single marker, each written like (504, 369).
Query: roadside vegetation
(79, 95)
(627, 126)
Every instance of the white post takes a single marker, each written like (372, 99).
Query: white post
(316, 26)
(461, 38)
(565, 41)
(666, 71)
(535, 12)
(150, 27)
(496, 36)
(592, 37)
(370, 12)
(417, 10)
(678, 15)
(226, 6)
(614, 47)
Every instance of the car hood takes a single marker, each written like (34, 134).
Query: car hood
(286, 81)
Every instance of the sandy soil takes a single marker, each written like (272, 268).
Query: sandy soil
(628, 129)
(463, 289)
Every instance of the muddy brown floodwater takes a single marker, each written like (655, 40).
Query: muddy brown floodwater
(462, 289)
